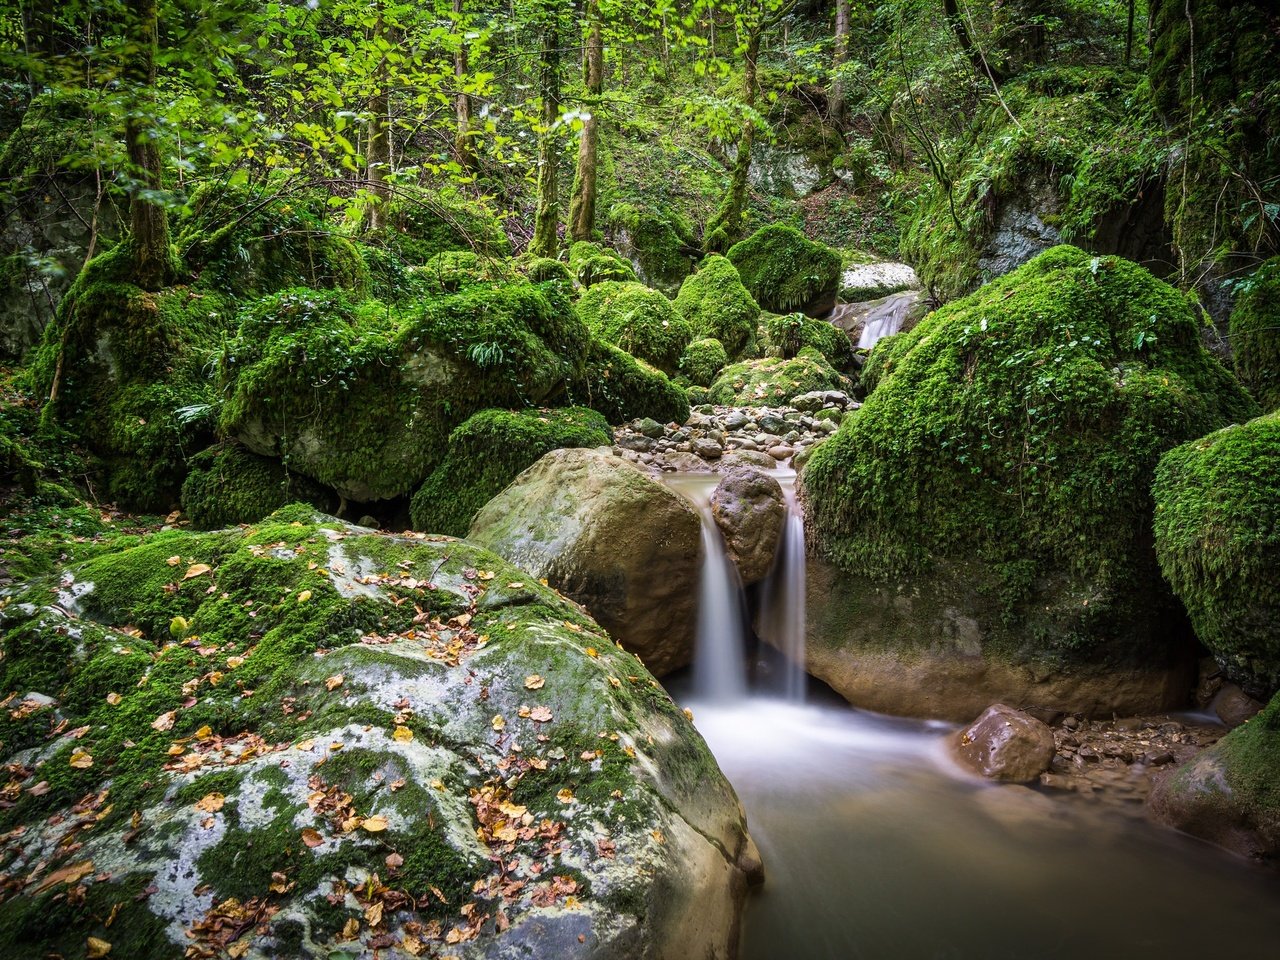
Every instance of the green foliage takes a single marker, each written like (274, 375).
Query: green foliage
(227, 485)
(718, 306)
(703, 360)
(590, 263)
(773, 381)
(421, 225)
(784, 270)
(639, 320)
(1255, 334)
(1217, 528)
(623, 388)
(1020, 427)
(488, 451)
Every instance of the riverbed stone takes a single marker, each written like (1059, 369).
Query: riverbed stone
(749, 509)
(612, 538)
(1005, 744)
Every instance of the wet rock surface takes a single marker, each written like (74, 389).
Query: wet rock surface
(749, 509)
(1005, 744)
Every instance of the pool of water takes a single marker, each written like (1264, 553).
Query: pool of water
(876, 847)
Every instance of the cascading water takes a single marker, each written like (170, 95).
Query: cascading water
(782, 614)
(719, 672)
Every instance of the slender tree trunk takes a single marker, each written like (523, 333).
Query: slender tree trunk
(1128, 36)
(836, 109)
(462, 100)
(378, 152)
(546, 220)
(582, 205)
(961, 30)
(153, 265)
(726, 227)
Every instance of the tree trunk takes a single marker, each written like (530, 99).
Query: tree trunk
(582, 205)
(836, 109)
(153, 265)
(726, 227)
(546, 220)
(462, 100)
(961, 30)
(378, 152)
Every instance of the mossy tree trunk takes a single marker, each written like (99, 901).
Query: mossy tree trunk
(836, 108)
(960, 28)
(726, 226)
(378, 153)
(546, 221)
(582, 205)
(153, 263)
(462, 144)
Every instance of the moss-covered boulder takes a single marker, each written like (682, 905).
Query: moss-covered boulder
(488, 451)
(612, 538)
(362, 398)
(1255, 334)
(127, 371)
(702, 360)
(227, 485)
(786, 335)
(420, 224)
(452, 270)
(544, 270)
(624, 388)
(658, 242)
(638, 319)
(305, 739)
(1217, 527)
(786, 271)
(718, 306)
(987, 511)
(773, 381)
(590, 263)
(1229, 794)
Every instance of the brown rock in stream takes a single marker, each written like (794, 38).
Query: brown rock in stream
(1006, 744)
(749, 510)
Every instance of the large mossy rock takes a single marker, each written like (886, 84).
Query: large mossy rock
(987, 512)
(1217, 527)
(623, 388)
(306, 739)
(718, 306)
(228, 484)
(418, 225)
(639, 320)
(702, 361)
(1255, 334)
(590, 263)
(786, 335)
(1229, 794)
(607, 535)
(490, 450)
(657, 241)
(773, 381)
(362, 398)
(784, 270)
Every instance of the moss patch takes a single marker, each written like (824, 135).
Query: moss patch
(773, 380)
(784, 270)
(624, 388)
(703, 360)
(1255, 334)
(228, 485)
(718, 306)
(639, 320)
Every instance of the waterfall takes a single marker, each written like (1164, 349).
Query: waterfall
(719, 669)
(782, 614)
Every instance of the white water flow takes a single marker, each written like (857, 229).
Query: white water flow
(719, 668)
(782, 611)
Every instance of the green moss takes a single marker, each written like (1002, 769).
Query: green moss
(452, 270)
(660, 241)
(718, 306)
(229, 485)
(488, 451)
(590, 263)
(1024, 423)
(702, 360)
(624, 388)
(546, 270)
(785, 336)
(1255, 334)
(1217, 527)
(784, 270)
(639, 320)
(421, 225)
(773, 381)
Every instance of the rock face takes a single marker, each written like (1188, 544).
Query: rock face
(867, 323)
(315, 767)
(610, 537)
(1005, 744)
(1227, 794)
(749, 510)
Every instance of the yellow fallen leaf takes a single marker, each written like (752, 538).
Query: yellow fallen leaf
(402, 734)
(234, 662)
(304, 596)
(114, 698)
(592, 652)
(534, 682)
(81, 760)
(311, 837)
(334, 682)
(211, 802)
(565, 795)
(498, 722)
(239, 949)
(351, 929)
(516, 586)
(484, 574)
(373, 913)
(95, 949)
(174, 560)
(204, 733)
(196, 570)
(375, 824)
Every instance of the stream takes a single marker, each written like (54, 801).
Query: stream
(877, 846)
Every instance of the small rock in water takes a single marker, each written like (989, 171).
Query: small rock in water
(735, 420)
(1006, 744)
(780, 452)
(707, 449)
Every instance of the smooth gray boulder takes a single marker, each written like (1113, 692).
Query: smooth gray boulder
(611, 537)
(750, 511)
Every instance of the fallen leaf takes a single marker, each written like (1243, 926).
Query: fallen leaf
(334, 682)
(196, 570)
(565, 795)
(351, 929)
(484, 574)
(233, 662)
(174, 560)
(164, 721)
(311, 837)
(402, 734)
(516, 586)
(498, 722)
(592, 652)
(304, 596)
(238, 949)
(95, 948)
(534, 682)
(211, 802)
(68, 874)
(114, 698)
(204, 733)
(394, 861)
(540, 714)
(81, 760)
(373, 914)
(375, 824)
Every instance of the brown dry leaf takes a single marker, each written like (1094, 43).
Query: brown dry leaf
(402, 734)
(238, 949)
(211, 802)
(81, 760)
(95, 949)
(113, 698)
(375, 824)
(540, 714)
(351, 929)
(461, 619)
(164, 721)
(334, 682)
(394, 861)
(40, 789)
(537, 763)
(174, 560)
(412, 946)
(534, 682)
(311, 837)
(196, 570)
(395, 785)
(68, 874)
(484, 574)
(517, 585)
(373, 914)
(279, 883)
(233, 662)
